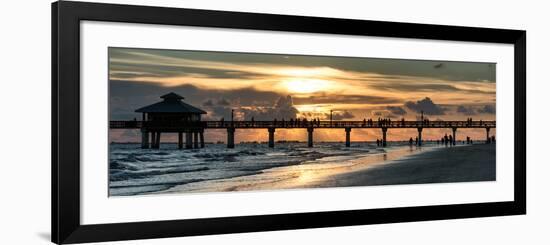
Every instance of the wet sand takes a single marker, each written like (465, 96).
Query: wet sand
(403, 165)
(452, 164)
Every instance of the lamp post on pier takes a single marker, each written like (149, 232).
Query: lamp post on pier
(331, 118)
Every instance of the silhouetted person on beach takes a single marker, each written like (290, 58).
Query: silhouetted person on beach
(446, 138)
(377, 142)
(451, 140)
(411, 141)
(416, 140)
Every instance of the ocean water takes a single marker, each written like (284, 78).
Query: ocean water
(136, 171)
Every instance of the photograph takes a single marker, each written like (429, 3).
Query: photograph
(188, 121)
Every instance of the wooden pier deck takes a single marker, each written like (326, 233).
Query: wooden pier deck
(300, 124)
(196, 129)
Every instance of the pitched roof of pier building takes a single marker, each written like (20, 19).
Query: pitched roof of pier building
(171, 103)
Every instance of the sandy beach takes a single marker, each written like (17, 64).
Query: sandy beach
(401, 165)
(452, 164)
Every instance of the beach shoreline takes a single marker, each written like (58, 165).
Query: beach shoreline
(403, 165)
(468, 163)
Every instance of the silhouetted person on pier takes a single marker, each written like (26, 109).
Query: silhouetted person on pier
(364, 122)
(411, 141)
(222, 121)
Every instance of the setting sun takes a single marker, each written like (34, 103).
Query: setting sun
(305, 86)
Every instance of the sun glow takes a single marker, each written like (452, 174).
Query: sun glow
(305, 86)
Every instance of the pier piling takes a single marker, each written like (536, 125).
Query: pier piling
(384, 131)
(310, 137)
(202, 138)
(419, 136)
(230, 137)
(157, 141)
(271, 143)
(348, 137)
(188, 140)
(180, 140)
(196, 140)
(144, 139)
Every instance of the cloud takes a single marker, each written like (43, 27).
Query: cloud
(466, 110)
(489, 109)
(346, 99)
(377, 113)
(418, 86)
(127, 96)
(223, 102)
(217, 110)
(282, 109)
(426, 105)
(167, 63)
(340, 115)
(396, 110)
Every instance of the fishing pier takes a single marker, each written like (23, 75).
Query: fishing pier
(174, 116)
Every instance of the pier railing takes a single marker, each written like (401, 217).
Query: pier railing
(301, 124)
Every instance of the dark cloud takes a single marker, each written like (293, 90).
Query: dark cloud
(489, 109)
(424, 87)
(396, 110)
(448, 70)
(340, 115)
(223, 102)
(127, 96)
(466, 110)
(282, 109)
(217, 110)
(426, 105)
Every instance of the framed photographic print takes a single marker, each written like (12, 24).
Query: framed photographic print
(176, 122)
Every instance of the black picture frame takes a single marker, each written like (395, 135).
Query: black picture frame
(66, 18)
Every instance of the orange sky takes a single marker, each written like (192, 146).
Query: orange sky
(273, 85)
